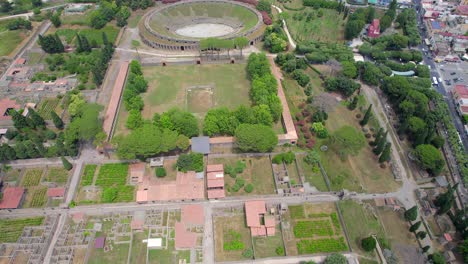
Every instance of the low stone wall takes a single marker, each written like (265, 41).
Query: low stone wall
(159, 41)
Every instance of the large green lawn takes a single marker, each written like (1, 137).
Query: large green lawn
(10, 39)
(360, 223)
(167, 87)
(93, 35)
(328, 28)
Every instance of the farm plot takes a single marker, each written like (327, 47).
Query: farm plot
(36, 197)
(112, 174)
(57, 175)
(313, 228)
(88, 174)
(11, 229)
(32, 177)
(270, 246)
(113, 178)
(47, 106)
(232, 237)
(255, 171)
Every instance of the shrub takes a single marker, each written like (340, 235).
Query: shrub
(190, 162)
(287, 158)
(279, 251)
(368, 243)
(160, 172)
(66, 164)
(248, 188)
(248, 253)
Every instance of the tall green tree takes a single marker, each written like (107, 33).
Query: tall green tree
(415, 226)
(445, 200)
(58, 122)
(366, 117)
(411, 214)
(429, 158)
(256, 138)
(66, 164)
(385, 156)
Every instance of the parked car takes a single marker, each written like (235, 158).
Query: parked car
(453, 73)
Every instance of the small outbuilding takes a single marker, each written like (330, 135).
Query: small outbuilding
(100, 242)
(201, 145)
(55, 192)
(154, 243)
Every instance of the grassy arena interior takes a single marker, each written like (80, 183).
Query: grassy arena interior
(167, 88)
(170, 17)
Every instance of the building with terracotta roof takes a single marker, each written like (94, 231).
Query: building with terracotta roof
(55, 192)
(100, 242)
(137, 172)
(183, 238)
(256, 214)
(460, 97)
(193, 215)
(215, 181)
(5, 106)
(374, 29)
(12, 197)
(187, 186)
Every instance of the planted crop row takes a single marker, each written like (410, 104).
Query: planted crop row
(313, 228)
(324, 245)
(39, 197)
(125, 193)
(296, 211)
(112, 175)
(47, 106)
(335, 221)
(32, 177)
(57, 175)
(88, 174)
(11, 229)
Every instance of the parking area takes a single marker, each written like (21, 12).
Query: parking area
(453, 73)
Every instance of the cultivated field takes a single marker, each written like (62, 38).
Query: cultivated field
(313, 228)
(232, 237)
(10, 38)
(257, 172)
(57, 174)
(68, 33)
(47, 105)
(11, 229)
(270, 246)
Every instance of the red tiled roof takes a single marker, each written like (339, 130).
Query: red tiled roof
(461, 90)
(216, 193)
(55, 192)
(20, 61)
(5, 105)
(184, 238)
(213, 183)
(448, 237)
(193, 214)
(115, 99)
(464, 109)
(78, 217)
(269, 221)
(11, 197)
(215, 167)
(253, 210)
(258, 231)
(270, 231)
(136, 224)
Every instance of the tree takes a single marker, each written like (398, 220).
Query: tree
(421, 235)
(379, 148)
(51, 43)
(264, 5)
(87, 125)
(437, 258)
(347, 141)
(58, 122)
(336, 258)
(415, 226)
(134, 120)
(66, 164)
(463, 249)
(145, 141)
(190, 162)
(257, 138)
(429, 158)
(5, 6)
(385, 156)
(240, 43)
(319, 129)
(353, 28)
(368, 243)
(19, 121)
(349, 69)
(183, 122)
(353, 103)
(182, 142)
(366, 117)
(445, 200)
(36, 119)
(312, 157)
(411, 214)
(55, 19)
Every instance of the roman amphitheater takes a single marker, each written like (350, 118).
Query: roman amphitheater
(181, 25)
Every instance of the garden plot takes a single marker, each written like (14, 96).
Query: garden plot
(269, 246)
(11, 230)
(313, 228)
(255, 171)
(311, 174)
(57, 175)
(232, 237)
(12, 177)
(47, 106)
(112, 178)
(32, 177)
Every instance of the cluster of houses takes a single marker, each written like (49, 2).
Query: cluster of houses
(18, 80)
(446, 24)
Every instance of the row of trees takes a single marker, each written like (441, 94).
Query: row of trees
(51, 43)
(357, 21)
(211, 45)
(320, 52)
(133, 102)
(293, 66)
(19, 23)
(407, 20)
(389, 16)
(275, 39)
(410, 99)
